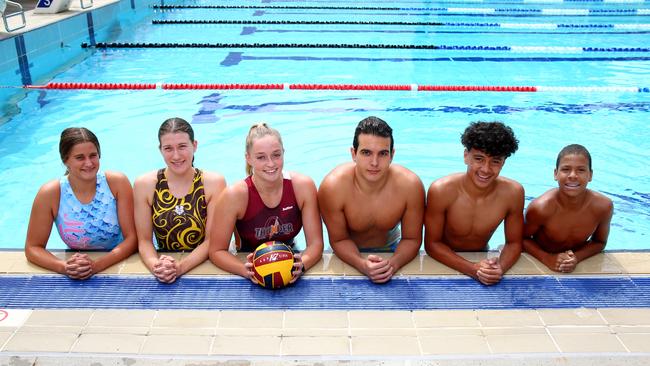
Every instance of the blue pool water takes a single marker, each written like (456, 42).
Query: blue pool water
(537, 47)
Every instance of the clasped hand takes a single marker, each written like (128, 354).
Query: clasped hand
(565, 262)
(166, 269)
(378, 269)
(489, 271)
(79, 266)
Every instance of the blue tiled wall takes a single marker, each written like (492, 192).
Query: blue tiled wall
(43, 52)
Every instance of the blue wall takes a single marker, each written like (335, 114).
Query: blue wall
(36, 56)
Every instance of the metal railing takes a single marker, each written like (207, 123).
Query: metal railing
(6, 16)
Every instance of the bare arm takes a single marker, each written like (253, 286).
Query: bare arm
(40, 226)
(535, 217)
(143, 191)
(599, 238)
(307, 197)
(411, 227)
(213, 185)
(231, 204)
(331, 207)
(434, 224)
(513, 228)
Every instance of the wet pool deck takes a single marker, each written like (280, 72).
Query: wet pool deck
(531, 336)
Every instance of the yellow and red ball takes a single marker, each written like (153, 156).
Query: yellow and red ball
(273, 264)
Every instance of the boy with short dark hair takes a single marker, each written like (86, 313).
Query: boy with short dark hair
(570, 223)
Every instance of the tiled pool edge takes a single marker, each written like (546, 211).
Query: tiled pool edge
(615, 263)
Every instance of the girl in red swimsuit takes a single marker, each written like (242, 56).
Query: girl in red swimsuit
(268, 205)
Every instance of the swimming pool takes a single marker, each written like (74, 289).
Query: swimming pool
(590, 66)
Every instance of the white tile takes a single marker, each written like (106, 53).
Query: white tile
(13, 318)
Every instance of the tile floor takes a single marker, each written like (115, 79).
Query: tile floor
(353, 334)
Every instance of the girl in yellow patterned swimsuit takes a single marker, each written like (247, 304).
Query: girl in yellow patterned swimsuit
(174, 204)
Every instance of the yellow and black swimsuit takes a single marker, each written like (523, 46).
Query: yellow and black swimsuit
(179, 223)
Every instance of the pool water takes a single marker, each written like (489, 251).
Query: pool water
(317, 126)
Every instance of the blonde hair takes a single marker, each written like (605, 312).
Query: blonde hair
(258, 131)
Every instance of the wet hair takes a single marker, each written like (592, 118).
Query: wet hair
(72, 136)
(258, 131)
(175, 125)
(573, 149)
(373, 126)
(492, 138)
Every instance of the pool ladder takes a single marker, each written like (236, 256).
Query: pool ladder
(6, 16)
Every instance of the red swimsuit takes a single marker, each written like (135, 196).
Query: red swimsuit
(261, 224)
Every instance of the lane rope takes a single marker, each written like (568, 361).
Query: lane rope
(515, 49)
(440, 24)
(337, 87)
(463, 10)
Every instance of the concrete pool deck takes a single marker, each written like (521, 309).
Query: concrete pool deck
(469, 337)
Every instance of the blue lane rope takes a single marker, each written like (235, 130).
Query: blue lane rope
(518, 49)
(467, 10)
(440, 24)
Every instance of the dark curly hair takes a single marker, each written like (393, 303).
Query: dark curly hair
(493, 138)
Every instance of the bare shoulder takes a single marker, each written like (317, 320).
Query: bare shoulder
(49, 191)
(510, 186)
(446, 185)
(118, 183)
(145, 184)
(303, 187)
(443, 192)
(301, 180)
(236, 192)
(114, 177)
(544, 205)
(213, 184)
(338, 178)
(213, 179)
(600, 203)
(405, 176)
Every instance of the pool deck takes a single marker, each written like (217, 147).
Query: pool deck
(577, 336)
(35, 21)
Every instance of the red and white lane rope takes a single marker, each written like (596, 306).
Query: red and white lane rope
(369, 87)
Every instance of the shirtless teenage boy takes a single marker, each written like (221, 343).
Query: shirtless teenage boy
(366, 203)
(464, 209)
(570, 223)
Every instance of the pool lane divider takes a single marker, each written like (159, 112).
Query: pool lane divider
(337, 87)
(462, 10)
(440, 24)
(514, 49)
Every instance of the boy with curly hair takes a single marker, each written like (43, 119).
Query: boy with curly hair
(464, 209)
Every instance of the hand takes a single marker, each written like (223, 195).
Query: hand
(249, 268)
(166, 269)
(379, 270)
(79, 266)
(566, 262)
(298, 267)
(489, 271)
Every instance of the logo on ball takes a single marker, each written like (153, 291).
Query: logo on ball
(273, 264)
